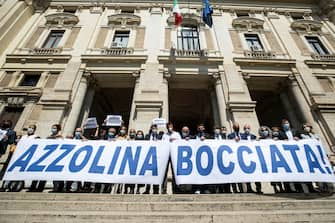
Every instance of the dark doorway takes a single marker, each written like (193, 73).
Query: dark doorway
(274, 101)
(189, 107)
(112, 101)
(12, 113)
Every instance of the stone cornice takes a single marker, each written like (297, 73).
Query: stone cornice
(249, 23)
(124, 19)
(61, 19)
(306, 25)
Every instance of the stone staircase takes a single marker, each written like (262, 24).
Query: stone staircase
(51, 207)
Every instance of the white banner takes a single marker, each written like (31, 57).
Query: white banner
(134, 162)
(216, 162)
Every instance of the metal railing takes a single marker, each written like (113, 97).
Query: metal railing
(189, 53)
(260, 54)
(46, 51)
(117, 51)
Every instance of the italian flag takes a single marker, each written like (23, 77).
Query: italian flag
(176, 12)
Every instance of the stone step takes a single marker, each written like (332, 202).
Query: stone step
(58, 207)
(194, 206)
(275, 216)
(161, 198)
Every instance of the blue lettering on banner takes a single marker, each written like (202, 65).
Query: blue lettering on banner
(95, 168)
(35, 167)
(77, 168)
(204, 171)
(184, 156)
(114, 160)
(261, 159)
(223, 169)
(323, 160)
(132, 161)
(293, 150)
(280, 162)
(150, 166)
(312, 160)
(244, 167)
(23, 160)
(53, 167)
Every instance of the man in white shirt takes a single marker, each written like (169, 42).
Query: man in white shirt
(171, 135)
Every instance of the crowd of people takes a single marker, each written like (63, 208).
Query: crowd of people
(284, 132)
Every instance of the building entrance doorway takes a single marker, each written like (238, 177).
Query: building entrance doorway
(191, 102)
(274, 101)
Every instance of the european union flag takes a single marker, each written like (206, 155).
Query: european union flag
(207, 13)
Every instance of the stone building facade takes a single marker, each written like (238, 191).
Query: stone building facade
(62, 61)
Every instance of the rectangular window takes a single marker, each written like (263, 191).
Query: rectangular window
(254, 42)
(30, 80)
(188, 38)
(53, 39)
(128, 11)
(297, 17)
(121, 39)
(242, 14)
(316, 45)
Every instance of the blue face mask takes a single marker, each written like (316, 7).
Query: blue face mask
(286, 126)
(111, 135)
(77, 135)
(265, 133)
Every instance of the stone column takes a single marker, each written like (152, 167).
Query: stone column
(288, 108)
(88, 103)
(77, 104)
(221, 101)
(214, 103)
(15, 77)
(28, 107)
(132, 117)
(42, 79)
(300, 100)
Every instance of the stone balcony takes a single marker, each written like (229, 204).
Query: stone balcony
(117, 51)
(45, 51)
(260, 54)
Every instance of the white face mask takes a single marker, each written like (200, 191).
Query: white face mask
(30, 131)
(217, 131)
(307, 129)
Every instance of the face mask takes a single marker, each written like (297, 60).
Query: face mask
(139, 137)
(154, 131)
(286, 126)
(247, 131)
(217, 131)
(224, 132)
(264, 133)
(77, 135)
(185, 134)
(170, 129)
(132, 135)
(122, 132)
(111, 134)
(307, 129)
(30, 131)
(275, 134)
(54, 131)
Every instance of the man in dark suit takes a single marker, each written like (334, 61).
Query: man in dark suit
(236, 135)
(288, 133)
(153, 135)
(247, 135)
(218, 135)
